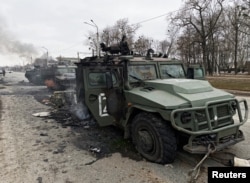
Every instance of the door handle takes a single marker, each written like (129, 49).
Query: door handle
(92, 98)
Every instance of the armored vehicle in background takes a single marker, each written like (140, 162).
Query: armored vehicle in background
(160, 105)
(39, 75)
(65, 77)
(56, 77)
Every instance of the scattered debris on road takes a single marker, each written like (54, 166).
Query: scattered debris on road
(41, 114)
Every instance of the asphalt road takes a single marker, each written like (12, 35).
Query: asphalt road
(34, 149)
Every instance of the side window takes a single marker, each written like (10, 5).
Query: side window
(195, 73)
(99, 79)
(198, 73)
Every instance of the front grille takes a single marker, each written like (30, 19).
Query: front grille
(223, 111)
(219, 116)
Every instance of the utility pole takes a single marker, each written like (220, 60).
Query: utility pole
(93, 24)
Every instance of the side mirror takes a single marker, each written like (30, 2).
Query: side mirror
(195, 73)
(190, 73)
(109, 81)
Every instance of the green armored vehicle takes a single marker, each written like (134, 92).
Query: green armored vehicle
(160, 104)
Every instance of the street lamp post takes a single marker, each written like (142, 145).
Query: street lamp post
(93, 24)
(47, 56)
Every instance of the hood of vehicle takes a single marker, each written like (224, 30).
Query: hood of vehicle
(176, 93)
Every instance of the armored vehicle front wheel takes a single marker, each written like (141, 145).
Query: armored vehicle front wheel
(154, 138)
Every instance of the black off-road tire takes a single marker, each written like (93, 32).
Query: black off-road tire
(154, 138)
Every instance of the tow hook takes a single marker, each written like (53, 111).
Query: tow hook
(194, 173)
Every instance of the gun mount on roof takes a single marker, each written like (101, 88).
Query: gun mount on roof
(116, 49)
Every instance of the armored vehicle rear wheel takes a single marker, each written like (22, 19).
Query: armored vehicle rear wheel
(154, 138)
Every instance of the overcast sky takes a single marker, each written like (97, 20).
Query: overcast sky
(30, 27)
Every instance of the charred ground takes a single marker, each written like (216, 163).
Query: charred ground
(99, 141)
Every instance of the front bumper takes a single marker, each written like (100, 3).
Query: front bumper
(214, 128)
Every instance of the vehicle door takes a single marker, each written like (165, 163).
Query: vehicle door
(96, 93)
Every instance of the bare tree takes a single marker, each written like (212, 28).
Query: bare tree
(203, 16)
(188, 45)
(92, 42)
(172, 33)
(237, 28)
(142, 44)
(113, 34)
(164, 47)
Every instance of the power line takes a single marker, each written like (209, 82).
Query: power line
(147, 20)
(159, 16)
(67, 48)
(72, 46)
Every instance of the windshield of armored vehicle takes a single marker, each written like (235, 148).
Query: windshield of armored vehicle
(65, 70)
(141, 72)
(172, 71)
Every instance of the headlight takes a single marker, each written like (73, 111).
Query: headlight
(186, 117)
(233, 107)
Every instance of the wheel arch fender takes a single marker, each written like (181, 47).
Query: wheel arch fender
(132, 112)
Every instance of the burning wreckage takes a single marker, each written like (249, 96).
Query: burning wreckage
(55, 77)
(159, 103)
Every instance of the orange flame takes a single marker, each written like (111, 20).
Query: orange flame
(50, 83)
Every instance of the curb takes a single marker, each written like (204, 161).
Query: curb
(237, 92)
